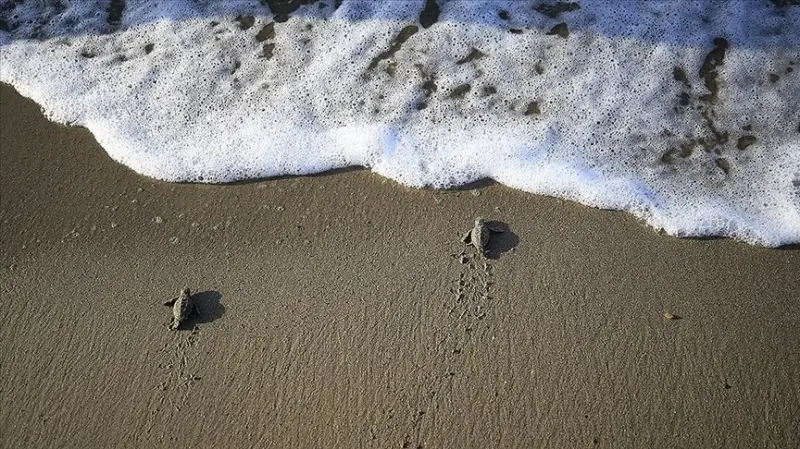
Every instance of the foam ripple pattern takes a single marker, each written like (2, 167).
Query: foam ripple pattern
(683, 113)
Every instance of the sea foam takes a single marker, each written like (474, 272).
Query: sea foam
(683, 113)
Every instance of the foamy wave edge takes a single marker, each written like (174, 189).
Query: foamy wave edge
(181, 139)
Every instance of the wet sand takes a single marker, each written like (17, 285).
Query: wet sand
(335, 315)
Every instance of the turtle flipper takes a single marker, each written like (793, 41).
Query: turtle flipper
(467, 238)
(496, 226)
(171, 302)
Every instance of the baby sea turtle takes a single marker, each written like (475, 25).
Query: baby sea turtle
(479, 235)
(182, 308)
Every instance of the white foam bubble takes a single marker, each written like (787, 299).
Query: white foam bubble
(619, 114)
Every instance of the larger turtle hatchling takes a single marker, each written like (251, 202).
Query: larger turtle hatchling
(183, 307)
(479, 235)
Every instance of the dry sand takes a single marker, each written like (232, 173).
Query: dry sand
(335, 316)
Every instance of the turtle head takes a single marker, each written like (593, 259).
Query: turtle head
(479, 221)
(185, 291)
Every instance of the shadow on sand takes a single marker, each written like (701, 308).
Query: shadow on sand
(210, 309)
(501, 241)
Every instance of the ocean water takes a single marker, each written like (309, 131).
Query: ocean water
(684, 113)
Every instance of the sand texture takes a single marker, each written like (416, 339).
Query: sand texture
(337, 313)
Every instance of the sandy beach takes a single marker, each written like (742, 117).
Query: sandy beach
(337, 313)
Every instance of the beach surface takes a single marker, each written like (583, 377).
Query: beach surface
(336, 312)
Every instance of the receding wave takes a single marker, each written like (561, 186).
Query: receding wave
(683, 113)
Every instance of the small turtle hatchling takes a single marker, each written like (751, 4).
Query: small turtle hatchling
(182, 308)
(479, 235)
